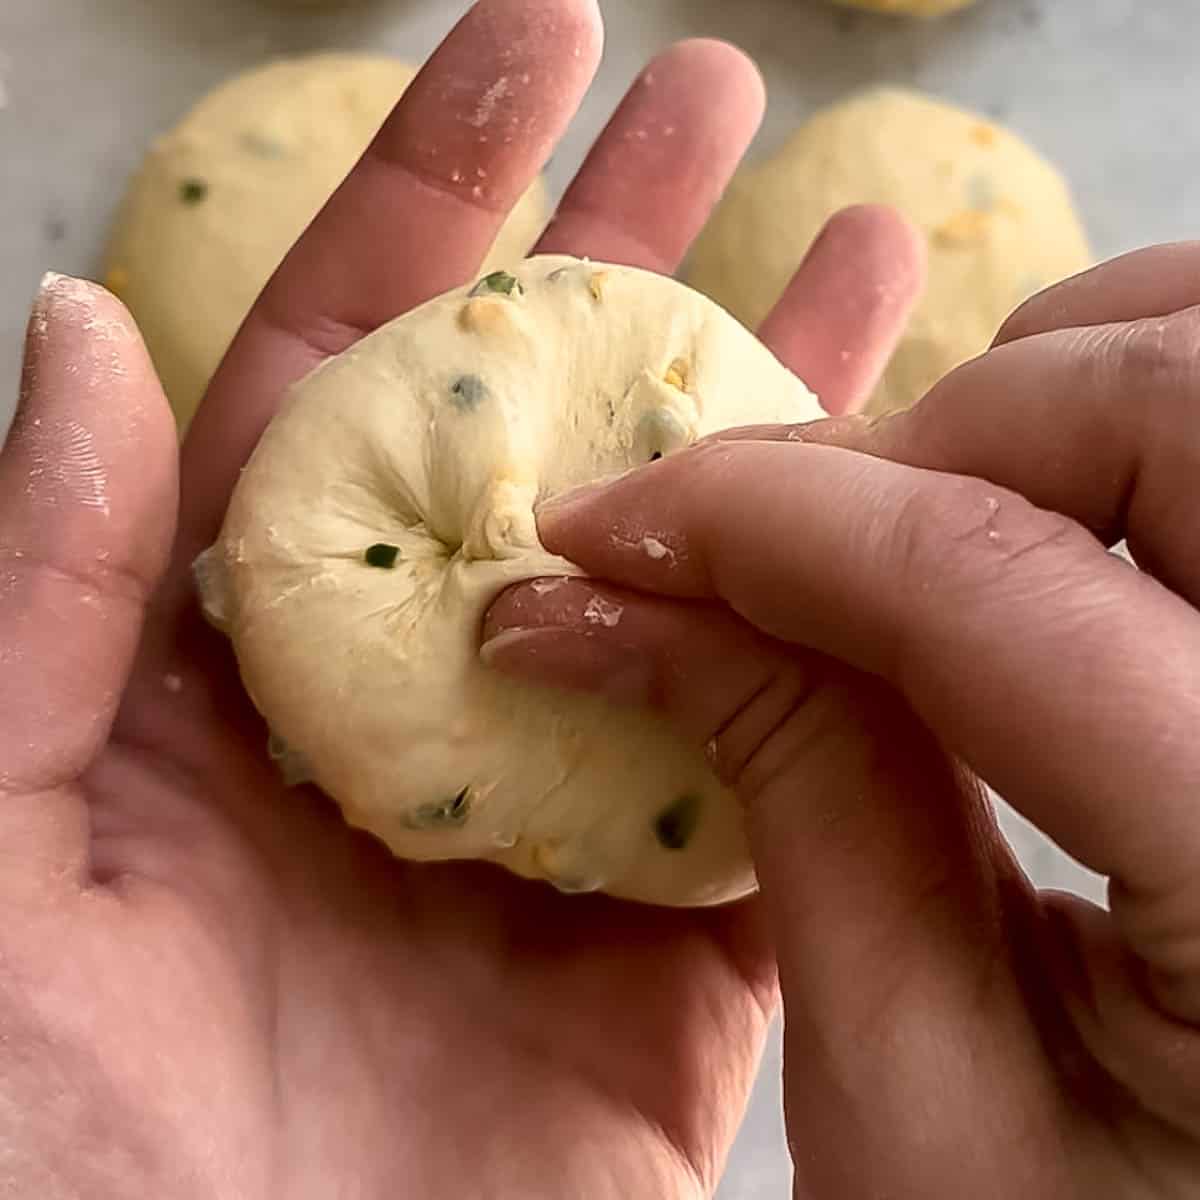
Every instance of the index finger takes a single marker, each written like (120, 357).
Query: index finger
(413, 219)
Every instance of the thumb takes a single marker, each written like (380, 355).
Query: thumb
(87, 512)
(886, 881)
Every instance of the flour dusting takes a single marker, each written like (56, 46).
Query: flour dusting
(486, 107)
(600, 611)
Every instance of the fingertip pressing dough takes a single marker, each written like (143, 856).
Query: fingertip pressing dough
(908, 8)
(221, 198)
(998, 218)
(391, 500)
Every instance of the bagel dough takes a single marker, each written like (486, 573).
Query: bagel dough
(998, 220)
(220, 199)
(422, 449)
(908, 8)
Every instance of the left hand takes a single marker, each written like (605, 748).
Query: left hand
(210, 985)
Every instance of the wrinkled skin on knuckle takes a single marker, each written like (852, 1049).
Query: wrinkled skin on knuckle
(1163, 389)
(1159, 363)
(840, 734)
(812, 723)
(966, 536)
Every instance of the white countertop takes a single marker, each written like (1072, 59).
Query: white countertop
(1107, 88)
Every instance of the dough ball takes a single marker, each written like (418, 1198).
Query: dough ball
(908, 8)
(391, 500)
(998, 218)
(221, 198)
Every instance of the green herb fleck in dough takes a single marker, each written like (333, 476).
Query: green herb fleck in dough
(675, 825)
(500, 282)
(192, 191)
(452, 812)
(469, 391)
(382, 554)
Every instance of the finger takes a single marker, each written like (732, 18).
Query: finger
(87, 505)
(1146, 283)
(1122, 399)
(1007, 628)
(883, 872)
(588, 636)
(413, 219)
(901, 926)
(659, 167)
(846, 307)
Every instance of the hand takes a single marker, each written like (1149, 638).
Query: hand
(879, 615)
(208, 985)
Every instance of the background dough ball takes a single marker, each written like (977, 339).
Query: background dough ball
(998, 218)
(391, 500)
(908, 8)
(221, 198)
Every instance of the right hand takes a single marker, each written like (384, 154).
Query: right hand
(855, 613)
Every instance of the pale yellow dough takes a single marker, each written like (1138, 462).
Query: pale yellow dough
(908, 8)
(222, 197)
(998, 218)
(436, 435)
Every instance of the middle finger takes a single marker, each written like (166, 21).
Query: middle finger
(656, 171)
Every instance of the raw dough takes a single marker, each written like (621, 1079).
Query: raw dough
(220, 200)
(908, 8)
(426, 446)
(999, 221)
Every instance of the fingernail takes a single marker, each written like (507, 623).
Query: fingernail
(583, 493)
(37, 333)
(58, 297)
(556, 512)
(63, 295)
(62, 302)
(575, 498)
(559, 503)
(576, 660)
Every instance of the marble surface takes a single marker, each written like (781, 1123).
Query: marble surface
(1102, 87)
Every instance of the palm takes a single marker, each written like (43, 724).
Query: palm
(307, 1000)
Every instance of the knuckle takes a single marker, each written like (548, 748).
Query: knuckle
(964, 534)
(794, 721)
(91, 579)
(321, 334)
(1151, 360)
(745, 737)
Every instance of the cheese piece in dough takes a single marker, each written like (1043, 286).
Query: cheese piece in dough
(998, 218)
(221, 198)
(391, 500)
